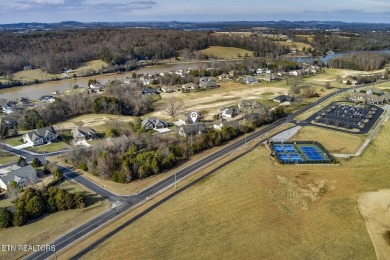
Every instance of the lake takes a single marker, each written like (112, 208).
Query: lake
(37, 90)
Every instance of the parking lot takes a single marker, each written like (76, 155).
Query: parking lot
(359, 118)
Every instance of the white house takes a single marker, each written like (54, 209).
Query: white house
(219, 124)
(83, 133)
(21, 175)
(228, 112)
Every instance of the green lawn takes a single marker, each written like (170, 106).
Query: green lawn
(6, 157)
(268, 94)
(13, 141)
(49, 148)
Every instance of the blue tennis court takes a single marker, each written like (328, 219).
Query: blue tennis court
(300, 152)
(284, 157)
(295, 157)
(278, 148)
(312, 153)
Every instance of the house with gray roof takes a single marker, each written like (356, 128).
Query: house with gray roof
(194, 129)
(83, 133)
(206, 82)
(219, 124)
(154, 123)
(22, 176)
(228, 112)
(40, 136)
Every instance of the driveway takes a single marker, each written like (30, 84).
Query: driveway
(163, 130)
(22, 146)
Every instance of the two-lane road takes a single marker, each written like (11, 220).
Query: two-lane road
(130, 202)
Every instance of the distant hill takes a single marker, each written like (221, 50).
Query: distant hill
(214, 26)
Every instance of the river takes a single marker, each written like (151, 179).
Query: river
(37, 90)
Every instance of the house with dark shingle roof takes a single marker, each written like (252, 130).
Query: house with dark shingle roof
(154, 123)
(282, 98)
(82, 133)
(194, 129)
(219, 124)
(21, 176)
(40, 136)
(207, 82)
(228, 112)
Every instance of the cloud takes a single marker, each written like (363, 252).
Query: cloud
(42, 2)
(143, 3)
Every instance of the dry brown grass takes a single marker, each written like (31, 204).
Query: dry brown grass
(296, 45)
(255, 208)
(334, 141)
(226, 52)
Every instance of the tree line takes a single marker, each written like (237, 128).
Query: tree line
(365, 61)
(53, 51)
(34, 203)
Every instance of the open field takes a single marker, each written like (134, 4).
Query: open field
(6, 157)
(226, 52)
(333, 141)
(256, 208)
(49, 227)
(229, 93)
(39, 74)
(89, 67)
(296, 45)
(35, 74)
(93, 121)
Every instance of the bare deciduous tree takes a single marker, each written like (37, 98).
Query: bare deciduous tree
(173, 107)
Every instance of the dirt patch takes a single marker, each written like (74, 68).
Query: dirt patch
(375, 209)
(298, 193)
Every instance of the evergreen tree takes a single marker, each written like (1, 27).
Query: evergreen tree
(35, 207)
(5, 218)
(21, 162)
(20, 217)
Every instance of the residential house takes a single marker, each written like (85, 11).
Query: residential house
(190, 87)
(167, 89)
(184, 120)
(83, 133)
(228, 112)
(219, 124)
(149, 91)
(223, 76)
(270, 77)
(368, 98)
(10, 123)
(154, 123)
(47, 99)
(282, 98)
(7, 106)
(294, 73)
(207, 82)
(375, 91)
(233, 74)
(41, 136)
(250, 80)
(22, 176)
(96, 86)
(190, 130)
(260, 71)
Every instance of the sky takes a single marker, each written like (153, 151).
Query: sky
(51, 11)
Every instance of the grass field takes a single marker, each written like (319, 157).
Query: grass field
(226, 52)
(49, 227)
(254, 208)
(6, 157)
(333, 141)
(49, 148)
(38, 74)
(14, 141)
(296, 45)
